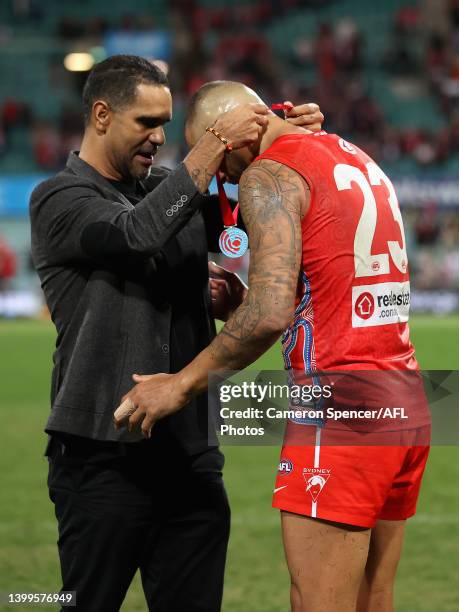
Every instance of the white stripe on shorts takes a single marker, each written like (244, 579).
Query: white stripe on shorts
(316, 465)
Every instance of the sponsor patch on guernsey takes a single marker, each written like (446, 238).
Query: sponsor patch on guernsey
(380, 304)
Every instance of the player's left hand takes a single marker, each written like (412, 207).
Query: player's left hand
(227, 291)
(305, 115)
(154, 397)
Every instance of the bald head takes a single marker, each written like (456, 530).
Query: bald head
(212, 100)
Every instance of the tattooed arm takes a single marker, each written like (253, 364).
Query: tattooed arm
(273, 199)
(204, 160)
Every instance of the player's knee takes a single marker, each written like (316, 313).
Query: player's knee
(295, 598)
(304, 597)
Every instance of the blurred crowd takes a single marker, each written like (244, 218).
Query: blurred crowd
(8, 264)
(50, 142)
(432, 237)
(337, 57)
(230, 41)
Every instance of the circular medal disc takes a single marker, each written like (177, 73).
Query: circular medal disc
(233, 242)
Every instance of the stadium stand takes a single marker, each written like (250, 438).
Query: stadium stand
(386, 77)
(385, 61)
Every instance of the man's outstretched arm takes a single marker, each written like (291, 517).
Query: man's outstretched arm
(272, 199)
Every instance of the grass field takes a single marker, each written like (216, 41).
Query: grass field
(256, 579)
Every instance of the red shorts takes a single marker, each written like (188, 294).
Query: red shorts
(356, 485)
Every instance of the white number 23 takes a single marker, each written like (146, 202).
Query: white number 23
(367, 264)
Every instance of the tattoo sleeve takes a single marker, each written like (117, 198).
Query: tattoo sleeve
(271, 196)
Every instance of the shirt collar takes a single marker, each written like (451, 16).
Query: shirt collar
(81, 168)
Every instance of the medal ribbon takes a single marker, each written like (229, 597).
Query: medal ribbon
(281, 106)
(229, 216)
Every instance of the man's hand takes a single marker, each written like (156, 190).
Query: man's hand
(226, 291)
(154, 397)
(242, 125)
(308, 116)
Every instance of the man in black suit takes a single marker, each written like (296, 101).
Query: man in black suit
(120, 248)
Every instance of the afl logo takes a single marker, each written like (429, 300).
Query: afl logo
(347, 147)
(364, 305)
(285, 467)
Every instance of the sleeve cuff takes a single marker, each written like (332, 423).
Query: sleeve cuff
(183, 183)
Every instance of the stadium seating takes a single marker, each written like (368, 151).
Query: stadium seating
(38, 79)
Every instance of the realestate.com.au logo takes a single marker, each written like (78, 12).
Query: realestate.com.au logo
(380, 304)
(364, 305)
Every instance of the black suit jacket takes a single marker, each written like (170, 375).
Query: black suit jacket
(113, 274)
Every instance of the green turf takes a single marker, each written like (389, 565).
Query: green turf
(256, 579)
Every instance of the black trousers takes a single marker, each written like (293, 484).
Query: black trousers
(152, 508)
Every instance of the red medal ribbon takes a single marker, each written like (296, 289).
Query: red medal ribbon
(281, 106)
(229, 216)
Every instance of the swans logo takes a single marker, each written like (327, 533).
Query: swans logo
(316, 479)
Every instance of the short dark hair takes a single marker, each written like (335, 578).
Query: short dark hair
(115, 80)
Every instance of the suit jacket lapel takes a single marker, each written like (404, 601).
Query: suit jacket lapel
(81, 168)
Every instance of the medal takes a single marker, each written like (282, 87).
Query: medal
(233, 241)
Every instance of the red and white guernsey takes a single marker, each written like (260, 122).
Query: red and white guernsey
(354, 295)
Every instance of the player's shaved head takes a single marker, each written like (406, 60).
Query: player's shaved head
(212, 100)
